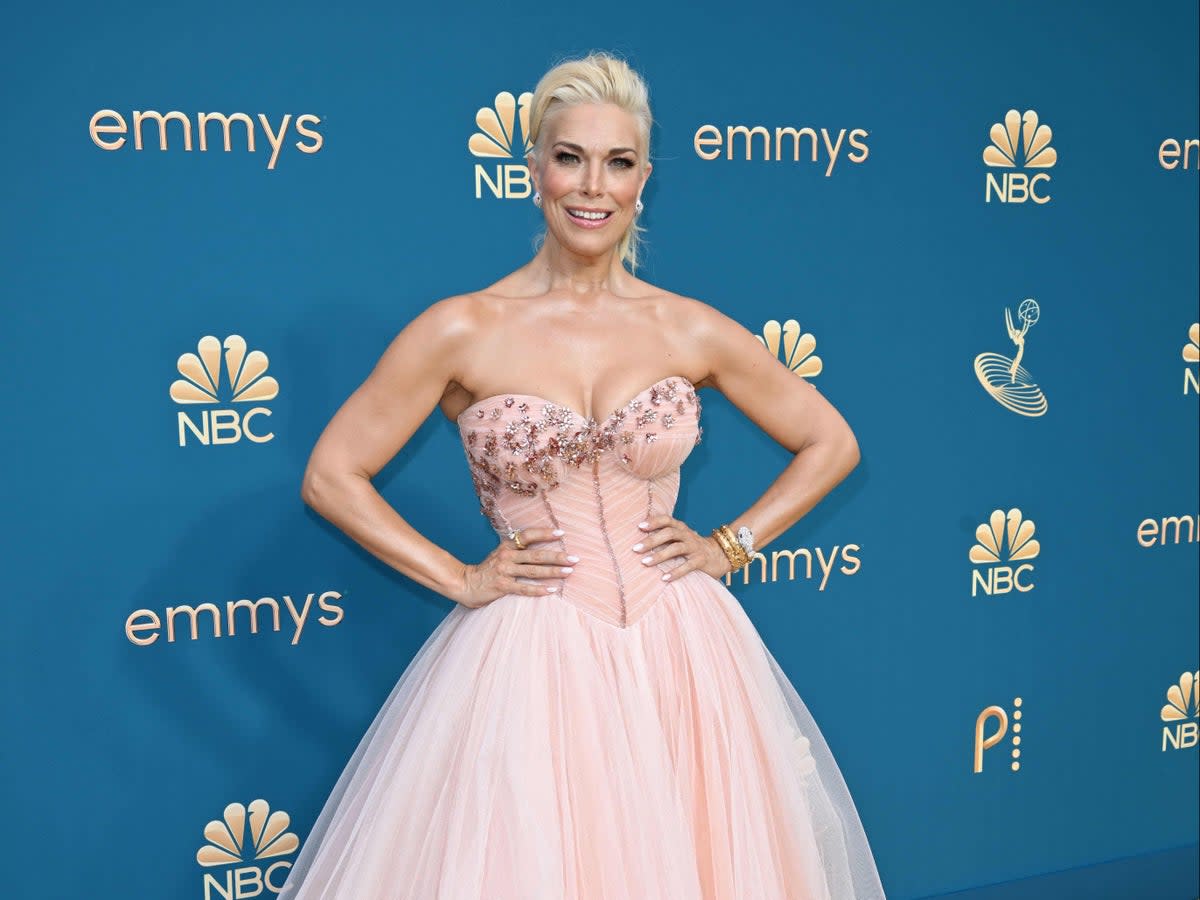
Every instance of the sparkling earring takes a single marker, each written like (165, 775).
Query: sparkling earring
(638, 206)
(537, 199)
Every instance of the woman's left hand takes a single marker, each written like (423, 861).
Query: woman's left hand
(667, 538)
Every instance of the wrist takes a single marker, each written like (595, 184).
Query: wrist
(725, 563)
(454, 585)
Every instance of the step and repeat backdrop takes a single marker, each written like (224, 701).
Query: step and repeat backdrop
(973, 229)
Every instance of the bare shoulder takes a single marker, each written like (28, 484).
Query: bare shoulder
(424, 355)
(705, 335)
(451, 317)
(472, 313)
(688, 316)
(445, 327)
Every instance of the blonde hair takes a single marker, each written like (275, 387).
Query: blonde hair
(596, 78)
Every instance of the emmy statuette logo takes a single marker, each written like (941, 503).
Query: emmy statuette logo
(1002, 718)
(1191, 355)
(1008, 382)
(1020, 142)
(1180, 713)
(1004, 548)
(497, 139)
(201, 385)
(248, 841)
(795, 350)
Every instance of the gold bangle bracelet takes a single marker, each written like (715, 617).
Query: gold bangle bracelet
(720, 539)
(742, 556)
(738, 558)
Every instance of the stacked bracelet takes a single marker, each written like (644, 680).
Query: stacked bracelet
(738, 557)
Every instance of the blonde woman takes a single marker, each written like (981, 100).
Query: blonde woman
(596, 718)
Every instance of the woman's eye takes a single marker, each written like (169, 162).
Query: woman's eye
(566, 158)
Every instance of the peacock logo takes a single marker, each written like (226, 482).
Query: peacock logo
(1191, 355)
(1003, 540)
(245, 381)
(497, 139)
(244, 840)
(790, 345)
(1180, 713)
(1021, 141)
(1183, 699)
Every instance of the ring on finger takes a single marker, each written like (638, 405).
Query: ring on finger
(514, 535)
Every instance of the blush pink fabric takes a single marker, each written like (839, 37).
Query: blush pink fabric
(536, 749)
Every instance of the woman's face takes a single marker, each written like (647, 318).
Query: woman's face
(590, 174)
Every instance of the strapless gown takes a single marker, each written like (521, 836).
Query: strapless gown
(625, 738)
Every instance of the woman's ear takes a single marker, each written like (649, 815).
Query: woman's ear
(531, 165)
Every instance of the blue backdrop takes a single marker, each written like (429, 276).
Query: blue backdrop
(144, 707)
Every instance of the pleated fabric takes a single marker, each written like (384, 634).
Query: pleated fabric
(625, 739)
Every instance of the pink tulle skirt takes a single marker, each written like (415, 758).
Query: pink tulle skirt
(531, 751)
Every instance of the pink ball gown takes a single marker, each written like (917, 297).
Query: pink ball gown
(625, 738)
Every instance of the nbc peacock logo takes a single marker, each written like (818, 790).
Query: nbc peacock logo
(1004, 378)
(1180, 713)
(245, 380)
(249, 842)
(1002, 553)
(790, 345)
(1006, 722)
(497, 139)
(1191, 356)
(1019, 142)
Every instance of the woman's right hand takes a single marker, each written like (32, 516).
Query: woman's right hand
(497, 574)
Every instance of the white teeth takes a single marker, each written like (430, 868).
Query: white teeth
(581, 214)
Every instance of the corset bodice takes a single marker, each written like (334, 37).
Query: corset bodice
(540, 464)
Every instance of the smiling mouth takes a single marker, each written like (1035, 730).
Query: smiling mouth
(589, 215)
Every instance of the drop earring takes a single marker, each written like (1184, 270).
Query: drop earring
(537, 199)
(638, 207)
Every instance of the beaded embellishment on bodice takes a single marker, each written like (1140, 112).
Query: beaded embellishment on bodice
(527, 455)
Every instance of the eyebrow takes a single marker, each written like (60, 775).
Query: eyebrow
(614, 150)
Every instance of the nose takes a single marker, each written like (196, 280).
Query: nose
(593, 179)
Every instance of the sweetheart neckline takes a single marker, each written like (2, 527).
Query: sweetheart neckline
(649, 387)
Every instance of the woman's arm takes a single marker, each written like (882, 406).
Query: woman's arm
(371, 427)
(789, 409)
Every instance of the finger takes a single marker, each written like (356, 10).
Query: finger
(658, 520)
(539, 535)
(673, 549)
(518, 562)
(530, 590)
(690, 564)
(663, 535)
(545, 557)
(541, 571)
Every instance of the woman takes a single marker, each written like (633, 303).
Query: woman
(597, 717)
